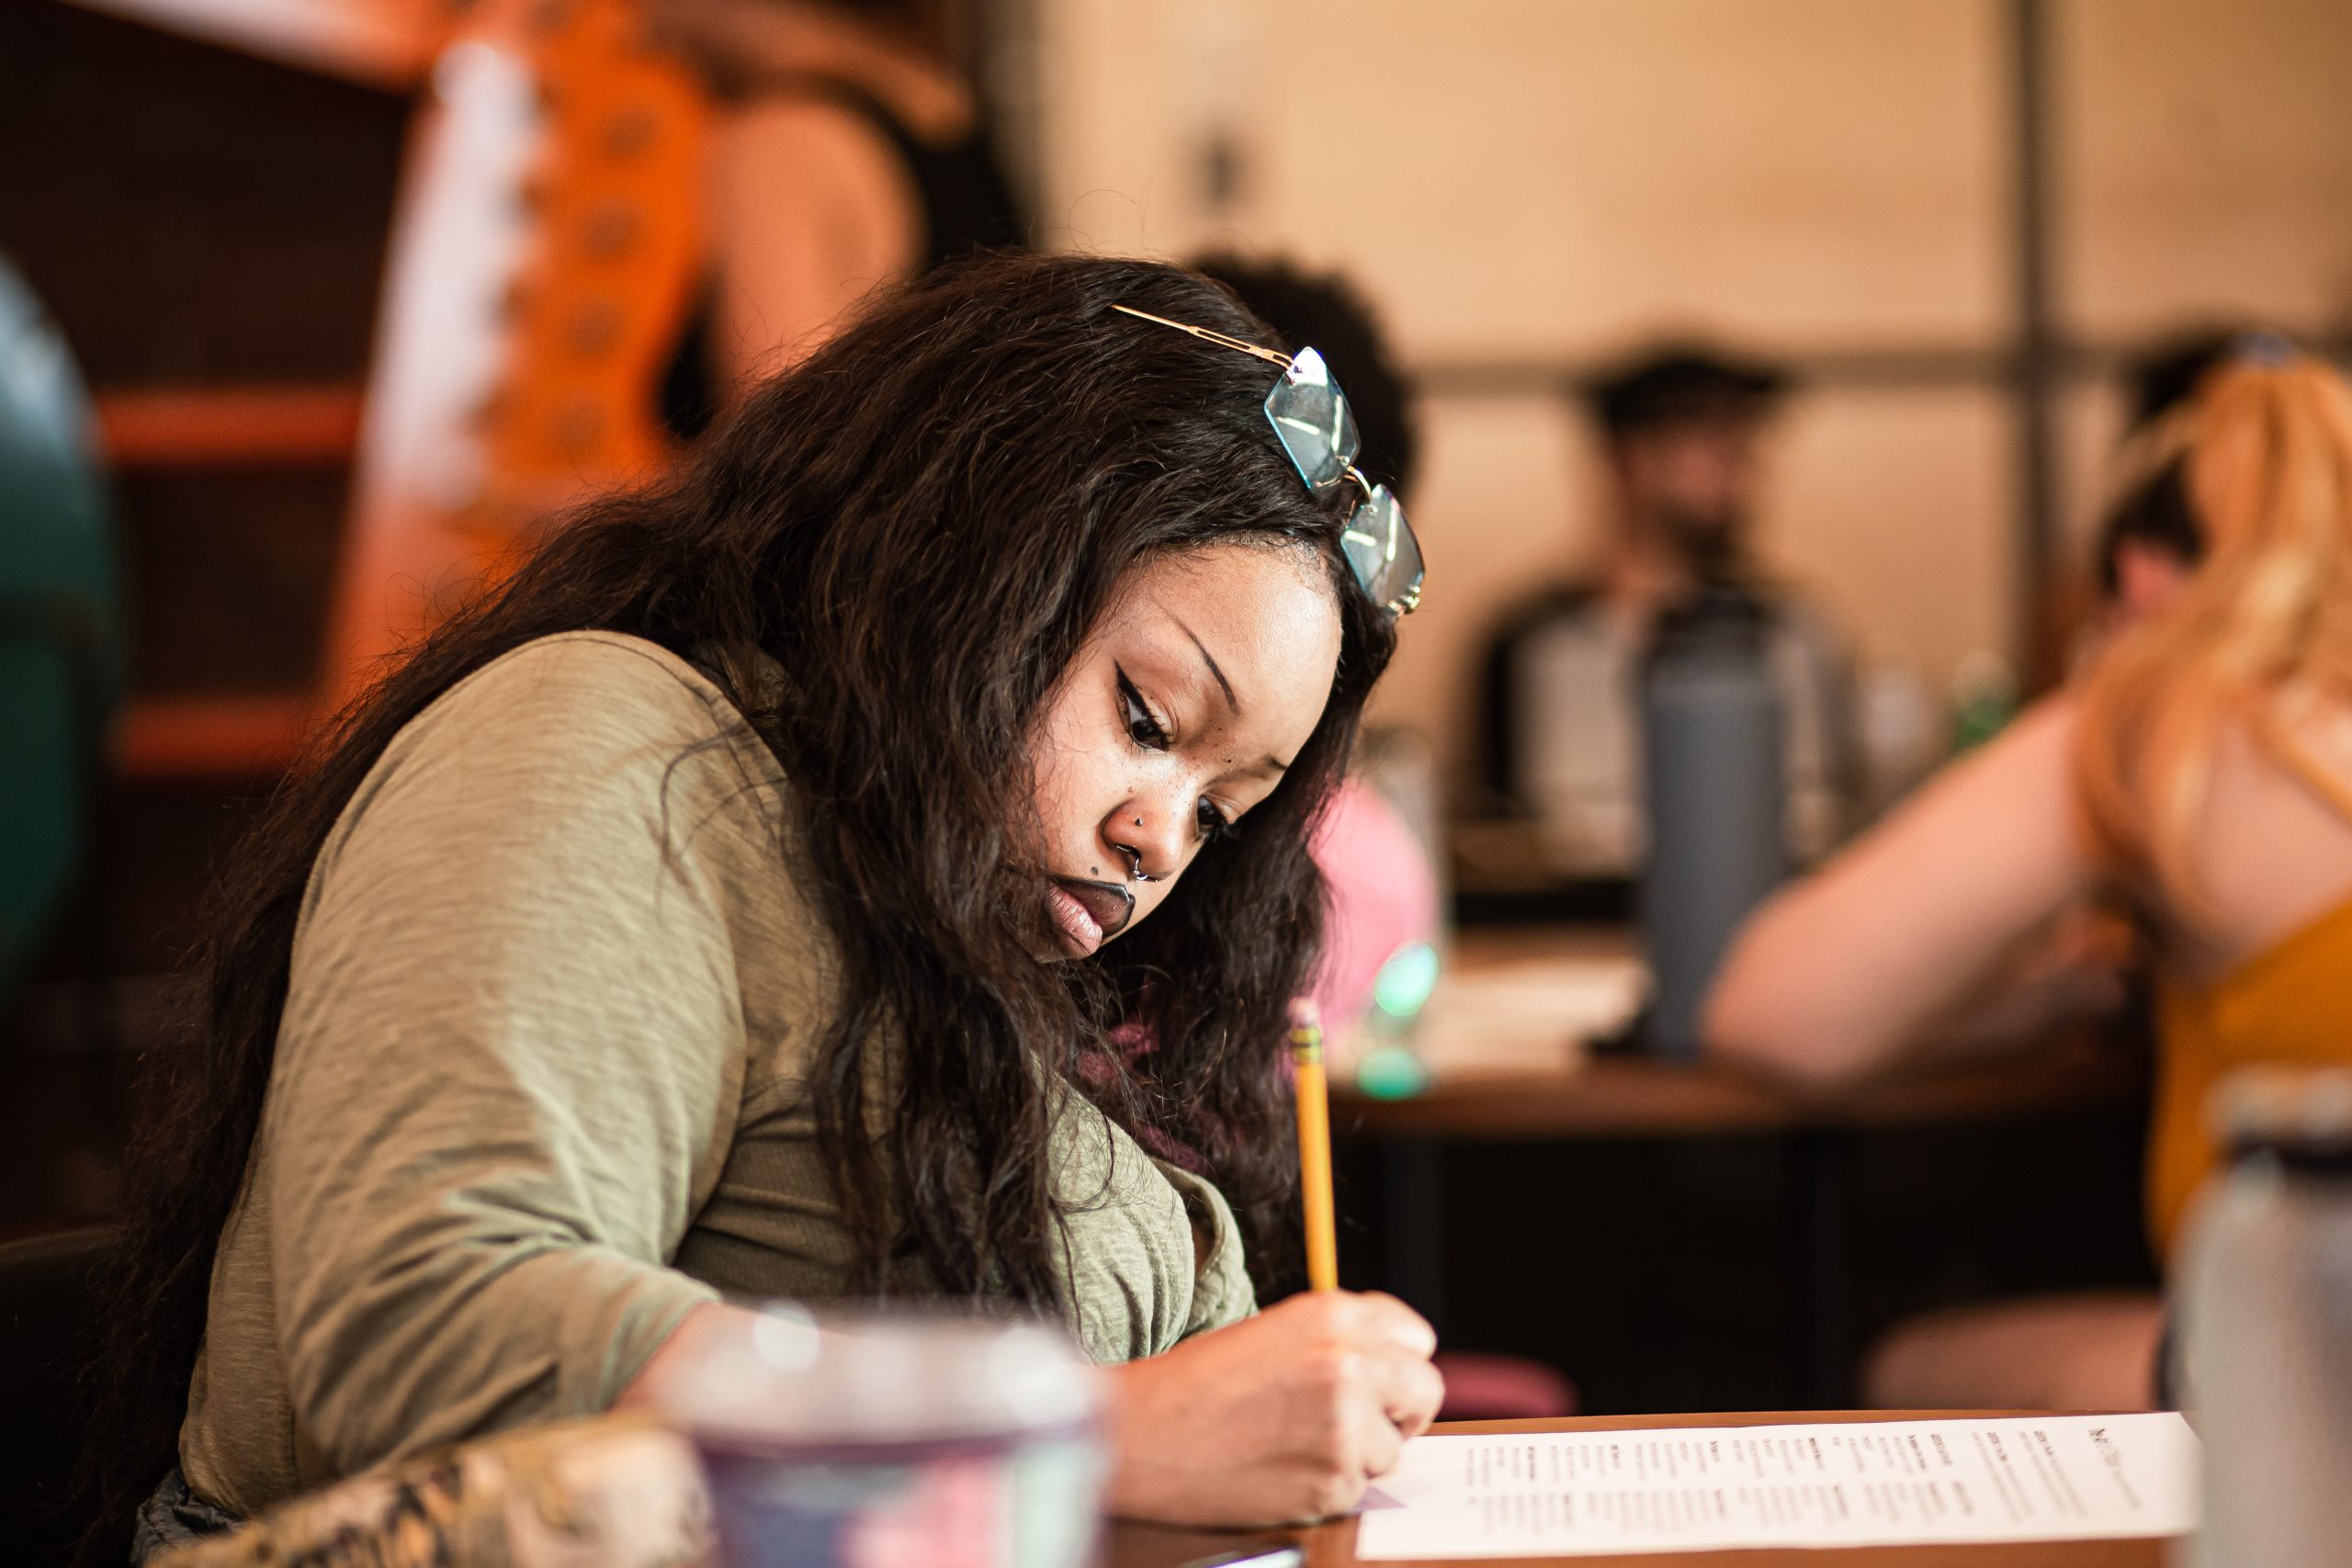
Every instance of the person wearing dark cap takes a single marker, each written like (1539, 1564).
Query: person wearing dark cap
(1681, 427)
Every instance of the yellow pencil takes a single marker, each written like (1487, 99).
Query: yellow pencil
(1314, 1146)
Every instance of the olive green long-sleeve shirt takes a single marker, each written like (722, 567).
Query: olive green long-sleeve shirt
(537, 1091)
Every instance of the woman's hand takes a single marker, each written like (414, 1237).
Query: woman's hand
(1278, 1418)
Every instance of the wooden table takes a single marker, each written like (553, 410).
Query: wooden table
(1333, 1545)
(1636, 1097)
(1562, 1090)
(1564, 1093)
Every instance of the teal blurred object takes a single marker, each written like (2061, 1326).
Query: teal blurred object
(1390, 1068)
(62, 663)
(1404, 985)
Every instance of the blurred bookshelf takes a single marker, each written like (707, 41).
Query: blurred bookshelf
(230, 426)
(207, 219)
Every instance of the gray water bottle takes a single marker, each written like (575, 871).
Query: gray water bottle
(1716, 790)
(2263, 1323)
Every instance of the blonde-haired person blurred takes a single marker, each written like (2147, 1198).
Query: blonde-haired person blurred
(2201, 771)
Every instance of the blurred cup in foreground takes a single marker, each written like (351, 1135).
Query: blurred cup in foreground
(861, 1440)
(2265, 1322)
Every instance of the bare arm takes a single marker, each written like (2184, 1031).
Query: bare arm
(1842, 973)
(815, 213)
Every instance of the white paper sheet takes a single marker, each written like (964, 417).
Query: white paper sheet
(1845, 1483)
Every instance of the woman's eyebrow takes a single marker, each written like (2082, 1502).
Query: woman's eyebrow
(1210, 660)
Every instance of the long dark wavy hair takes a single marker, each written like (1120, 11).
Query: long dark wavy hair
(919, 525)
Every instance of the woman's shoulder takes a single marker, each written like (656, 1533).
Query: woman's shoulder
(586, 683)
(566, 721)
(1154, 1254)
(832, 142)
(582, 749)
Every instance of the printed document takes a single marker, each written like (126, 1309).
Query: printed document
(1843, 1484)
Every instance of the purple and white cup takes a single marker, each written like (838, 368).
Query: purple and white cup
(865, 1439)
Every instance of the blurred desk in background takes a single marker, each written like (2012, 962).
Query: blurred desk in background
(1540, 1086)
(1333, 1545)
(1633, 1097)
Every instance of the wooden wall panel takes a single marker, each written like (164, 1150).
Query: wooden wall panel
(1521, 177)
(2204, 163)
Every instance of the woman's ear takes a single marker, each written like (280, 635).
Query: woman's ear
(2148, 578)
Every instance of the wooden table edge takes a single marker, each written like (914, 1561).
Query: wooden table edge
(1630, 1098)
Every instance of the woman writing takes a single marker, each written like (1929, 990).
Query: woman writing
(742, 898)
(2202, 771)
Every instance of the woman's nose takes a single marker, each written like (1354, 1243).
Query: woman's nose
(1141, 836)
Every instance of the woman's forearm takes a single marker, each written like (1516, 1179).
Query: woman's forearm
(1844, 973)
(1280, 1417)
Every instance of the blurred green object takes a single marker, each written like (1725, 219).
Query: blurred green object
(1403, 986)
(1984, 700)
(1390, 1068)
(1391, 1071)
(60, 623)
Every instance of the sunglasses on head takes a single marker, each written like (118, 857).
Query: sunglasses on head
(1318, 433)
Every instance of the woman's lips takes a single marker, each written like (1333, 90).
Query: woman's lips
(1087, 914)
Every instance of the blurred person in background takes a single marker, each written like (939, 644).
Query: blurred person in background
(2200, 773)
(1683, 430)
(1383, 887)
(2148, 543)
(2151, 542)
(2168, 374)
(1328, 309)
(848, 155)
